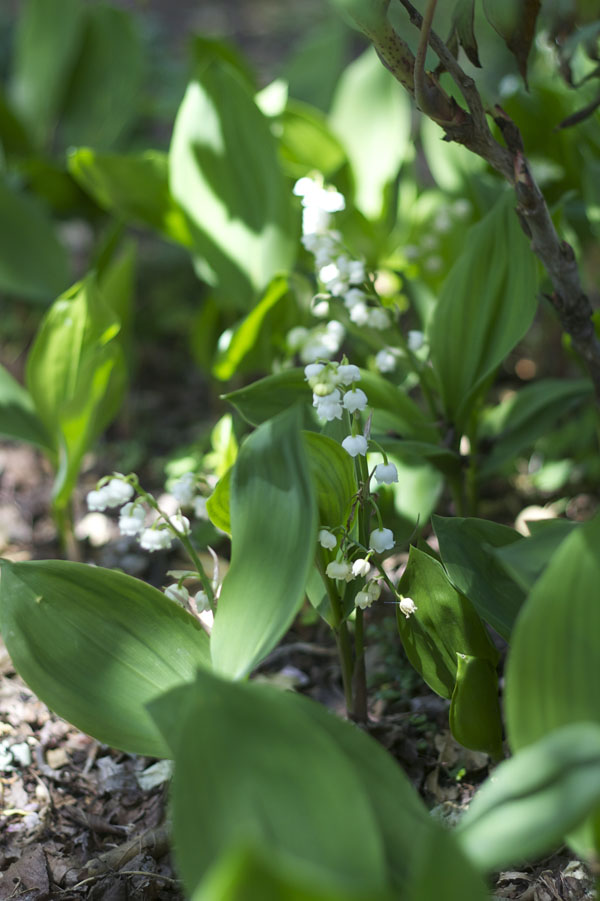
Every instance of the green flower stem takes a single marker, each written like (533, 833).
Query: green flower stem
(63, 520)
(359, 682)
(183, 538)
(342, 637)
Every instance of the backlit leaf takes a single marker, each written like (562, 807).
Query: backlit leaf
(515, 21)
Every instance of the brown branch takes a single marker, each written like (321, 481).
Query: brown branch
(569, 300)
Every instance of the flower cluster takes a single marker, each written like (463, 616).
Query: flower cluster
(179, 593)
(185, 491)
(157, 536)
(334, 390)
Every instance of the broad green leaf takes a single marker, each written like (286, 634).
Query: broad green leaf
(14, 139)
(552, 669)
(116, 280)
(252, 767)
(514, 20)
(534, 799)
(134, 187)
(333, 477)
(76, 376)
(267, 397)
(444, 459)
(454, 168)
(225, 175)
(273, 528)
(487, 304)
(371, 115)
(475, 717)
(525, 560)
(48, 41)
(104, 90)
(444, 625)
(443, 871)
(97, 645)
(18, 418)
(316, 63)
(218, 504)
(242, 872)
(516, 422)
(246, 333)
(394, 410)
(307, 143)
(467, 548)
(33, 263)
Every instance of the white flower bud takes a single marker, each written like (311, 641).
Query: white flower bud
(184, 489)
(327, 539)
(202, 602)
(361, 567)
(117, 492)
(339, 570)
(359, 314)
(200, 511)
(407, 606)
(385, 360)
(415, 340)
(179, 595)
(97, 500)
(386, 473)
(180, 523)
(355, 445)
(348, 373)
(378, 318)
(296, 337)
(355, 400)
(362, 600)
(354, 296)
(374, 590)
(381, 540)
(131, 519)
(312, 370)
(156, 540)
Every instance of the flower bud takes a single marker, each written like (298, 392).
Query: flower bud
(355, 444)
(381, 540)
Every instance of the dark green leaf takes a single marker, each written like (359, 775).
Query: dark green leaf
(464, 14)
(526, 560)
(133, 187)
(104, 90)
(534, 799)
(333, 476)
(33, 263)
(487, 304)
(48, 41)
(475, 718)
(225, 175)
(444, 625)
(467, 550)
(96, 646)
(273, 529)
(18, 418)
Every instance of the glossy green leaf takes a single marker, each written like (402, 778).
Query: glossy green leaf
(245, 335)
(307, 143)
(475, 717)
(134, 187)
(111, 58)
(552, 670)
(526, 560)
(265, 398)
(76, 376)
(252, 767)
(487, 303)
(48, 41)
(371, 115)
(534, 799)
(467, 548)
(225, 175)
(18, 418)
(242, 872)
(33, 263)
(444, 625)
(333, 476)
(515, 21)
(97, 645)
(273, 529)
(516, 422)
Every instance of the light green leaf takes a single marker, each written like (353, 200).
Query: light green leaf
(487, 304)
(18, 418)
(246, 333)
(552, 670)
(333, 476)
(97, 645)
(265, 398)
(76, 376)
(371, 115)
(33, 263)
(515, 423)
(534, 799)
(134, 187)
(111, 58)
(253, 768)
(48, 41)
(225, 175)
(444, 625)
(307, 143)
(475, 717)
(218, 504)
(525, 560)
(467, 548)
(273, 528)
